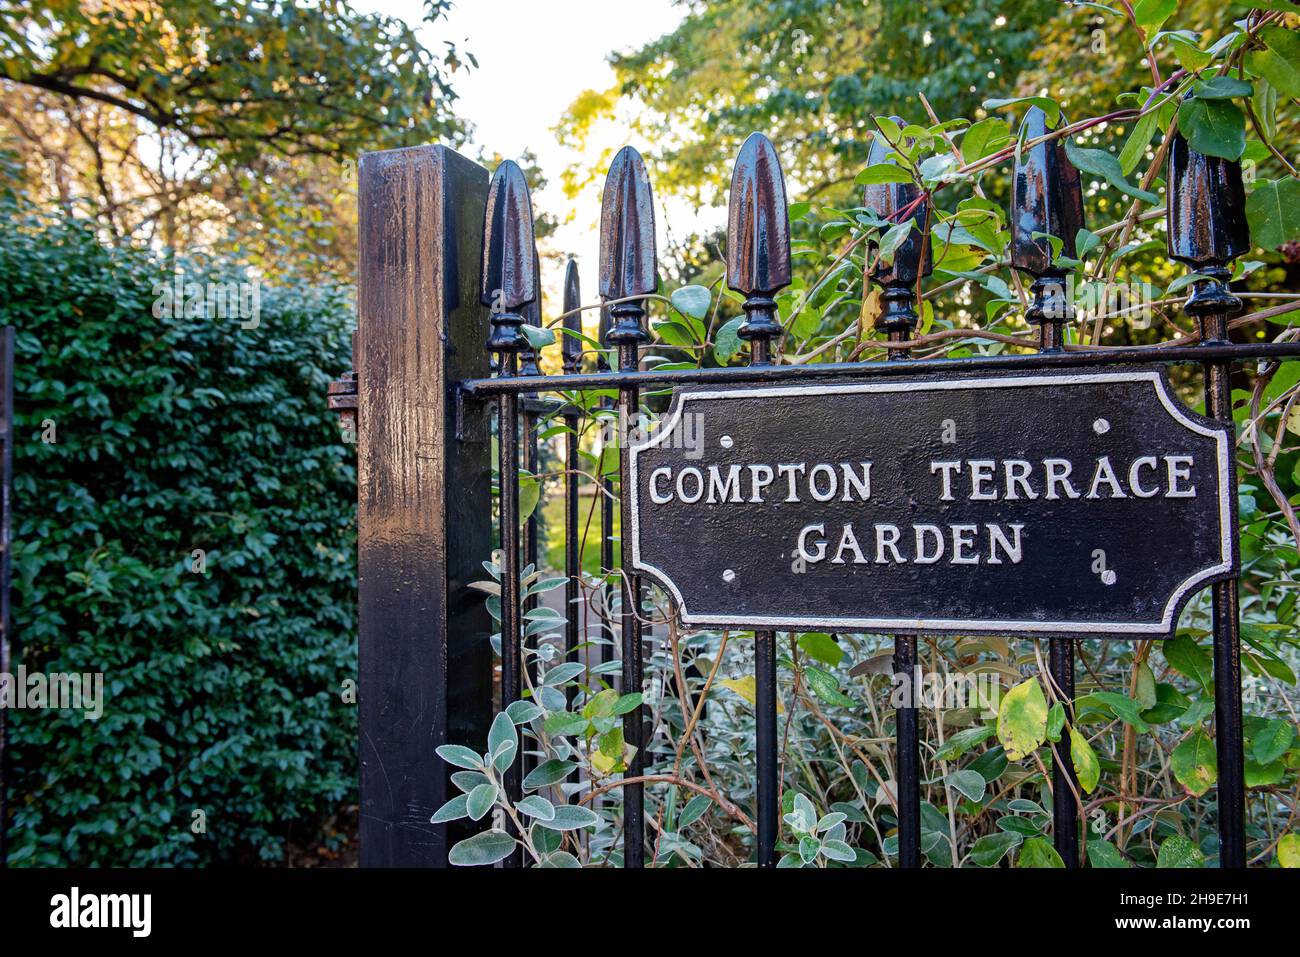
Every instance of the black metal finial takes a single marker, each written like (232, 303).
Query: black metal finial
(532, 316)
(509, 280)
(1047, 200)
(571, 347)
(912, 259)
(1205, 215)
(758, 240)
(627, 245)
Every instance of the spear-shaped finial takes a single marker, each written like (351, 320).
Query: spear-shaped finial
(509, 280)
(532, 316)
(1047, 201)
(758, 240)
(1205, 214)
(627, 245)
(912, 259)
(571, 348)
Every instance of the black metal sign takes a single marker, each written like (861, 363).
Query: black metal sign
(1050, 504)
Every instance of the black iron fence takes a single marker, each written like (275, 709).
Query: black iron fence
(437, 295)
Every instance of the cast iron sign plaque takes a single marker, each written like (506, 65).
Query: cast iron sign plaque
(1052, 504)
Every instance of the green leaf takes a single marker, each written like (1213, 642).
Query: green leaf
(537, 337)
(1105, 854)
(1055, 722)
(1273, 212)
(1194, 763)
(1151, 14)
(503, 741)
(726, 341)
(1222, 88)
(883, 173)
(480, 800)
(601, 705)
(564, 722)
(693, 301)
(1188, 658)
(963, 741)
(984, 138)
(481, 849)
(1178, 851)
(1136, 144)
(571, 817)
(559, 859)
(834, 850)
(1086, 767)
(460, 756)
(521, 712)
(1273, 740)
(537, 806)
(1279, 61)
(1022, 719)
(1103, 164)
(530, 492)
(628, 703)
(827, 687)
(893, 239)
(822, 647)
(991, 848)
(969, 783)
(453, 810)
(548, 774)
(695, 809)
(1038, 852)
(1145, 688)
(1213, 127)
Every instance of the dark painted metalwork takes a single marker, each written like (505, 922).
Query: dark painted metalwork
(923, 368)
(606, 497)
(628, 270)
(912, 261)
(6, 544)
(1047, 202)
(758, 266)
(571, 351)
(509, 286)
(424, 496)
(532, 413)
(1207, 230)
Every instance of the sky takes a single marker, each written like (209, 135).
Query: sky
(534, 58)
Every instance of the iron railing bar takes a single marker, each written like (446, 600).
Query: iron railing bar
(757, 375)
(508, 478)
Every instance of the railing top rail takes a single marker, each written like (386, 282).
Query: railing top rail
(1135, 355)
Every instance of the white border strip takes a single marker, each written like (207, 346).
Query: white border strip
(1164, 626)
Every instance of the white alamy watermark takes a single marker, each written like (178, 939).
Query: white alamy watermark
(75, 909)
(241, 300)
(947, 691)
(55, 691)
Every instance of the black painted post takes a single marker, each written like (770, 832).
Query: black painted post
(6, 483)
(571, 350)
(758, 266)
(509, 284)
(1047, 200)
(627, 271)
(912, 260)
(1207, 230)
(423, 502)
(531, 405)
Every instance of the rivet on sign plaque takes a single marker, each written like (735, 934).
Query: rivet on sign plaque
(729, 575)
(1101, 426)
(725, 442)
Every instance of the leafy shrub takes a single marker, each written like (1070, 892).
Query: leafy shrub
(222, 686)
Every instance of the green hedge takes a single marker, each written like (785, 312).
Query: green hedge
(223, 689)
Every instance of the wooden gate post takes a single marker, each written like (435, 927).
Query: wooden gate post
(424, 499)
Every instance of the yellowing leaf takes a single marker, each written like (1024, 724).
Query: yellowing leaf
(1086, 767)
(746, 689)
(1288, 850)
(1194, 763)
(1022, 719)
